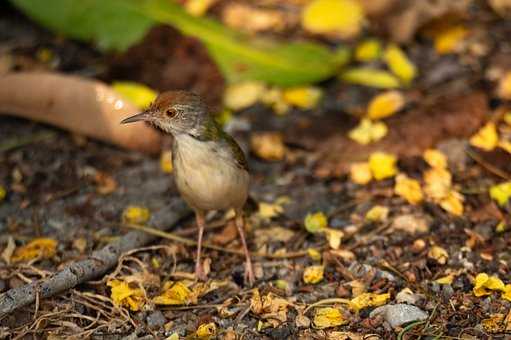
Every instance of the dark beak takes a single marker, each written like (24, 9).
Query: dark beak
(143, 116)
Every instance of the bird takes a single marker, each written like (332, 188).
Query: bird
(210, 168)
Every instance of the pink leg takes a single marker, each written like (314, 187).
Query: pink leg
(249, 271)
(199, 271)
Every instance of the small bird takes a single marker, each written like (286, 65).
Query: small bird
(210, 169)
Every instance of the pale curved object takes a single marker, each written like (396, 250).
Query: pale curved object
(84, 106)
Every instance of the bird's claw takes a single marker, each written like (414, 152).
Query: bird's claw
(249, 274)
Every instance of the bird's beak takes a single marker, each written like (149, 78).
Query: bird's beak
(143, 116)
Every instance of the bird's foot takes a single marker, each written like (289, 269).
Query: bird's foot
(200, 274)
(249, 273)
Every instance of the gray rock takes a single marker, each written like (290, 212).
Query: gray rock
(399, 314)
(155, 320)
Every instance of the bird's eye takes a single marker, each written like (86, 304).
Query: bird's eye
(170, 113)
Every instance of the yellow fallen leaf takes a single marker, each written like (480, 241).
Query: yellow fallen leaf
(435, 158)
(385, 104)
(485, 284)
(314, 254)
(334, 237)
(408, 188)
(507, 118)
(198, 7)
(449, 40)
(399, 64)
(504, 145)
(453, 203)
(206, 331)
(268, 145)
(328, 317)
(274, 98)
(506, 293)
(304, 97)
(135, 214)
(500, 193)
(39, 248)
(368, 50)
(242, 95)
(250, 18)
(316, 222)
(445, 280)
(365, 300)
(123, 294)
(269, 210)
(368, 131)
(370, 77)
(166, 161)
(313, 274)
(173, 336)
(494, 324)
(174, 293)
(486, 138)
(377, 213)
(437, 183)
(360, 173)
(504, 88)
(141, 95)
(501, 227)
(343, 18)
(382, 165)
(438, 254)
(3, 193)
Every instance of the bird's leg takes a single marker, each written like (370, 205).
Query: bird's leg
(249, 271)
(201, 223)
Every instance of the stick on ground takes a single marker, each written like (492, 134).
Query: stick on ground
(76, 273)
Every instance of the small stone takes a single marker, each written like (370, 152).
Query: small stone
(408, 296)
(155, 320)
(399, 314)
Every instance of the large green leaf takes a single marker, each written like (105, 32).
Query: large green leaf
(119, 23)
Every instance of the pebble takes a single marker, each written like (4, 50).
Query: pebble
(155, 320)
(399, 314)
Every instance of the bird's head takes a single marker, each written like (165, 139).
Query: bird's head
(175, 112)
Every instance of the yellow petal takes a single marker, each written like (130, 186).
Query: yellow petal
(314, 254)
(437, 183)
(507, 118)
(343, 18)
(42, 248)
(135, 214)
(313, 274)
(242, 95)
(274, 97)
(453, 203)
(360, 173)
(501, 227)
(166, 161)
(334, 237)
(270, 210)
(206, 331)
(446, 280)
(449, 40)
(435, 158)
(500, 193)
(316, 222)
(385, 104)
(408, 188)
(304, 97)
(198, 7)
(3, 193)
(174, 293)
(329, 317)
(368, 50)
(377, 213)
(124, 294)
(268, 145)
(494, 324)
(141, 95)
(382, 165)
(506, 294)
(439, 254)
(504, 88)
(368, 300)
(486, 138)
(370, 77)
(505, 145)
(368, 131)
(399, 64)
(485, 284)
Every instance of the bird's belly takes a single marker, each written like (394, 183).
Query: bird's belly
(208, 183)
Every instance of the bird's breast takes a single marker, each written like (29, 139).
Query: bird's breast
(207, 176)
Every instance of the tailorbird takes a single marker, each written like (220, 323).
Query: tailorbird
(210, 169)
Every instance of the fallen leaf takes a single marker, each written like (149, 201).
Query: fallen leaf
(435, 158)
(506, 294)
(123, 294)
(399, 64)
(242, 95)
(371, 77)
(408, 188)
(269, 307)
(385, 105)
(269, 210)
(328, 317)
(198, 8)
(382, 165)
(135, 214)
(450, 40)
(313, 274)
(494, 324)
(342, 18)
(252, 19)
(140, 95)
(39, 248)
(166, 161)
(206, 331)
(377, 213)
(368, 50)
(360, 173)
(174, 293)
(274, 98)
(274, 233)
(411, 224)
(368, 131)
(268, 145)
(438, 254)
(453, 203)
(485, 284)
(304, 97)
(314, 254)
(486, 138)
(316, 222)
(365, 300)
(501, 227)
(445, 280)
(504, 88)
(105, 183)
(334, 237)
(3, 193)
(8, 250)
(437, 183)
(500, 193)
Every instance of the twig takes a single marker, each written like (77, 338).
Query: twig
(490, 168)
(327, 302)
(98, 263)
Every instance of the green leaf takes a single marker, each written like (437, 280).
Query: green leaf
(119, 23)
